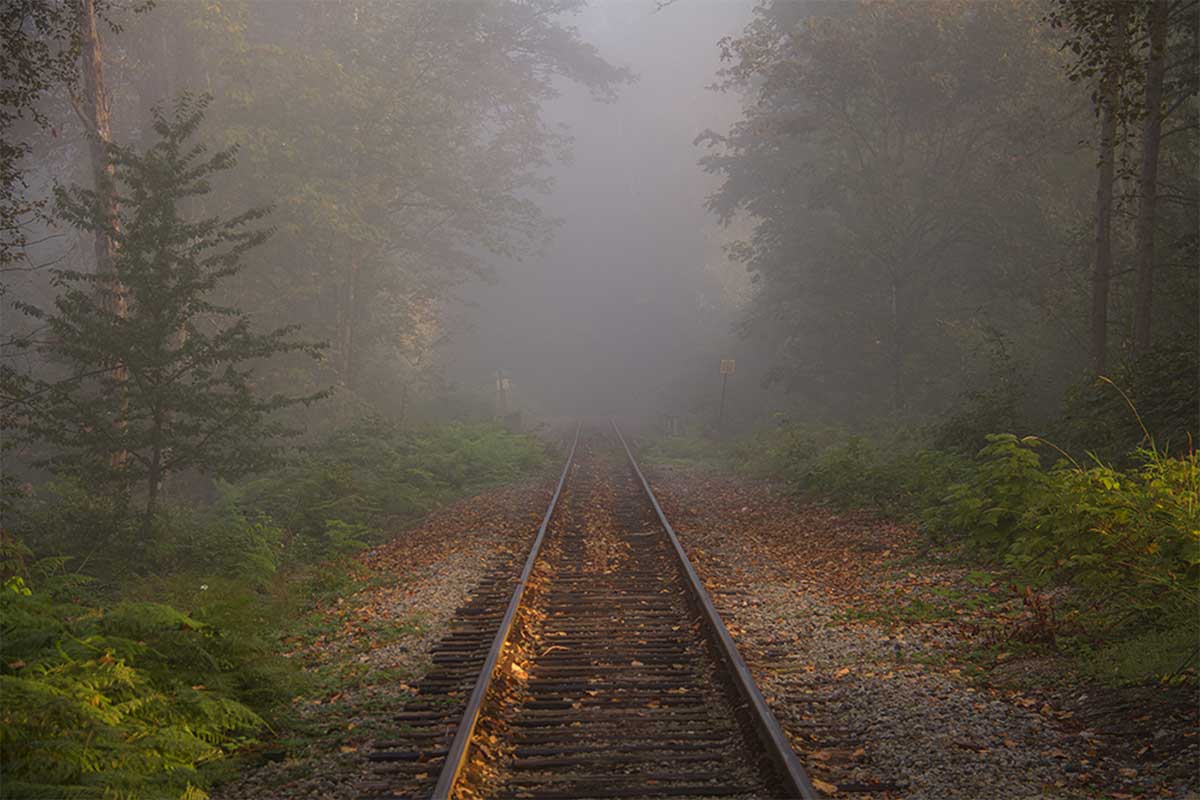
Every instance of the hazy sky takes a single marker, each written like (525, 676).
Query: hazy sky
(613, 307)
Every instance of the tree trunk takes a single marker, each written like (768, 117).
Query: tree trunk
(1143, 296)
(897, 350)
(348, 325)
(1109, 107)
(154, 478)
(96, 116)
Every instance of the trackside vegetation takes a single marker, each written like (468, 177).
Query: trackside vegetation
(1121, 532)
(129, 666)
(176, 529)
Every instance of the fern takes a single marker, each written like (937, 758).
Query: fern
(98, 704)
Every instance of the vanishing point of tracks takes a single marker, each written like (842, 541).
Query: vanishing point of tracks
(602, 670)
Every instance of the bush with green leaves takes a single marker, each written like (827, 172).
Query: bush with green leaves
(1131, 537)
(128, 701)
(684, 451)
(344, 491)
(1128, 539)
(104, 539)
(893, 471)
(1160, 383)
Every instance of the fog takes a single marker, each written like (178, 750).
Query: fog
(911, 211)
(628, 295)
(896, 304)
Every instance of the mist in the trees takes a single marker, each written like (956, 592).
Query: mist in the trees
(631, 295)
(303, 304)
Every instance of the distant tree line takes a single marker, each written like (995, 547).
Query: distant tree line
(950, 199)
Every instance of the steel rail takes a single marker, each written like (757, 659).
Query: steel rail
(791, 772)
(456, 756)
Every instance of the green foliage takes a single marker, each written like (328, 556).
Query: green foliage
(158, 376)
(1157, 652)
(219, 541)
(1128, 539)
(988, 508)
(340, 493)
(1161, 384)
(878, 262)
(64, 518)
(113, 702)
(380, 220)
(127, 687)
(892, 471)
(687, 451)
(108, 542)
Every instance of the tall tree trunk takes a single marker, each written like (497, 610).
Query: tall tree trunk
(1110, 98)
(897, 350)
(95, 114)
(1143, 296)
(154, 479)
(348, 324)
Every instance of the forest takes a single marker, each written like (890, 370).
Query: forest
(304, 304)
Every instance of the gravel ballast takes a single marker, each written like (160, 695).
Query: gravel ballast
(379, 642)
(863, 677)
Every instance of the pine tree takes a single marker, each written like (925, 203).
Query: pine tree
(189, 399)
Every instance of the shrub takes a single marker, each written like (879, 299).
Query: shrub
(986, 509)
(216, 541)
(1130, 538)
(96, 529)
(683, 451)
(341, 493)
(892, 472)
(102, 538)
(103, 703)
(1162, 384)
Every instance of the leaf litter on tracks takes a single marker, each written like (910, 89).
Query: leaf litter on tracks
(374, 643)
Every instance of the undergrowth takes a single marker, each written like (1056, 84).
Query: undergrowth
(133, 666)
(1122, 534)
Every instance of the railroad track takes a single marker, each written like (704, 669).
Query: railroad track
(601, 670)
